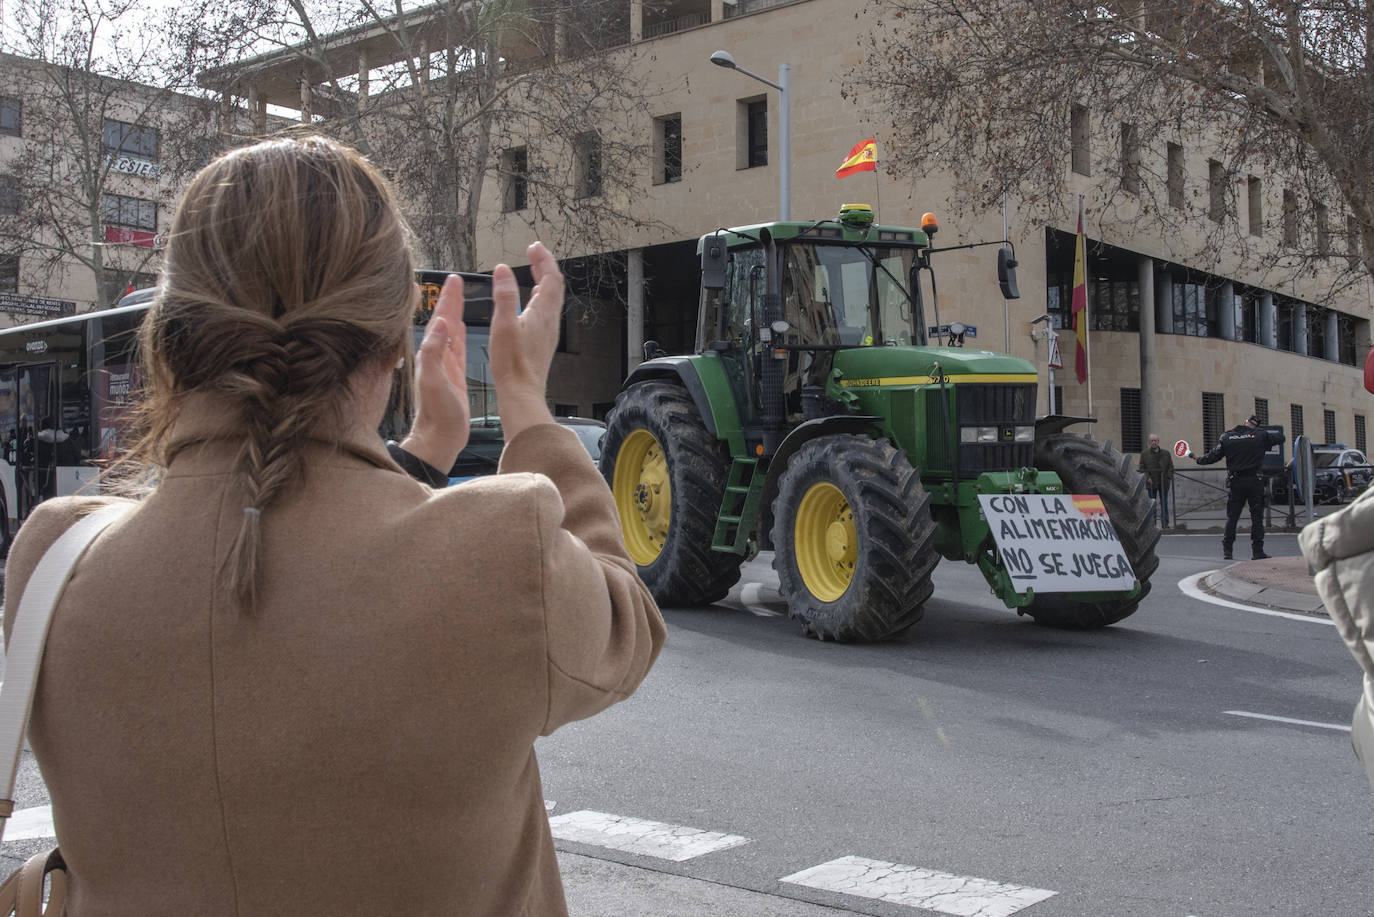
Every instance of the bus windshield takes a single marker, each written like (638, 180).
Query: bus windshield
(852, 295)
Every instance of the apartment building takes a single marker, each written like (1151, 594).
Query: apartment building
(89, 171)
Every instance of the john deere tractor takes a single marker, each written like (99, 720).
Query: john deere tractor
(816, 416)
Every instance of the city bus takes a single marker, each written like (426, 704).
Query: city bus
(66, 385)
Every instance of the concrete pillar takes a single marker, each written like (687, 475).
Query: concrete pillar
(636, 20)
(362, 79)
(1268, 332)
(1145, 278)
(634, 310)
(1164, 303)
(1226, 312)
(1300, 329)
(717, 10)
(1333, 343)
(306, 99)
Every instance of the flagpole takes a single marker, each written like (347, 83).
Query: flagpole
(1087, 308)
(877, 198)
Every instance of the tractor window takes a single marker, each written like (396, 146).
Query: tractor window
(743, 296)
(829, 292)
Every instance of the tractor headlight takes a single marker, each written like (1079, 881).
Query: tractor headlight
(978, 434)
(1025, 434)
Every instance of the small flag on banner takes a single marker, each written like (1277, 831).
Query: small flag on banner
(863, 158)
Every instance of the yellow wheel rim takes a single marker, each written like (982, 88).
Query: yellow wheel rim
(825, 541)
(643, 496)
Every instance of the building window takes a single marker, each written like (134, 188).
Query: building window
(515, 169)
(753, 133)
(601, 409)
(1256, 209)
(124, 139)
(668, 149)
(11, 115)
(1115, 303)
(1059, 399)
(1175, 176)
(1290, 217)
(9, 273)
(1262, 411)
(1213, 418)
(9, 195)
(1329, 425)
(1249, 317)
(1285, 322)
(1316, 332)
(1079, 133)
(1321, 216)
(564, 410)
(128, 212)
(1130, 158)
(1195, 309)
(587, 155)
(1359, 434)
(1130, 421)
(1216, 191)
(1345, 340)
(1295, 420)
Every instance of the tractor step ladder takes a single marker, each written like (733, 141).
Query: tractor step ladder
(740, 501)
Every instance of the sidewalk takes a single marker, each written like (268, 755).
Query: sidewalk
(1280, 583)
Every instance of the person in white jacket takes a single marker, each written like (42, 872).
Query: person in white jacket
(1340, 551)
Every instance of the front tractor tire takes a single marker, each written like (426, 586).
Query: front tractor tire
(667, 473)
(1089, 467)
(853, 539)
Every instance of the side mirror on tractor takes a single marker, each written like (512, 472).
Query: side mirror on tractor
(713, 262)
(1006, 273)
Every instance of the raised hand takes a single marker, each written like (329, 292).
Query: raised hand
(523, 342)
(442, 417)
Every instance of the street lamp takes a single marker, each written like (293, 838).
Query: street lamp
(727, 60)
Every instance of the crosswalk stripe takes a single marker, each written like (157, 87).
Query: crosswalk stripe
(636, 835)
(26, 824)
(965, 896)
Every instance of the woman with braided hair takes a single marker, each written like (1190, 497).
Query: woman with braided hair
(294, 679)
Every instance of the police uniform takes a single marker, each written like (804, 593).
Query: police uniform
(1243, 447)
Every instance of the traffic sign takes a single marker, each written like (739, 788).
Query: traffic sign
(1056, 359)
(1181, 448)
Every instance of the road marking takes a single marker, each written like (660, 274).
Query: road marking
(912, 886)
(1283, 719)
(750, 598)
(1189, 587)
(636, 835)
(26, 824)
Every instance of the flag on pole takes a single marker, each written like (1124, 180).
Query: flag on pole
(1080, 301)
(862, 158)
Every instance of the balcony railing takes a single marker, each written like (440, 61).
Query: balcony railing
(745, 7)
(669, 26)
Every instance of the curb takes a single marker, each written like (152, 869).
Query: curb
(1222, 584)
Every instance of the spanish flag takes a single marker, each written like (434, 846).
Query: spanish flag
(1080, 302)
(863, 158)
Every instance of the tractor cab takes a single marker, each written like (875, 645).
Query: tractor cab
(780, 299)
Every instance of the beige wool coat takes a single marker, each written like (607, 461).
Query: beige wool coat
(362, 742)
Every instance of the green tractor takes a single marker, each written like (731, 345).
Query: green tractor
(816, 417)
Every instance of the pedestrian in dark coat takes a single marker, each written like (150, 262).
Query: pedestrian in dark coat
(1158, 467)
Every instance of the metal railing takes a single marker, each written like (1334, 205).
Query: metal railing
(669, 26)
(1199, 495)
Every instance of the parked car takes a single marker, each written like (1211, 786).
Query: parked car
(485, 442)
(1338, 475)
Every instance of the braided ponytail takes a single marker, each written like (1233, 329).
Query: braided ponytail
(288, 269)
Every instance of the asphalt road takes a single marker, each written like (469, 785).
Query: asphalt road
(1191, 760)
(1129, 770)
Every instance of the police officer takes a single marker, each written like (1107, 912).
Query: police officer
(1243, 447)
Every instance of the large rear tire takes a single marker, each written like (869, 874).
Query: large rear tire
(1089, 467)
(667, 473)
(853, 539)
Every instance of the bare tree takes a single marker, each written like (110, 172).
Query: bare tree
(1279, 93)
(107, 137)
(524, 115)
